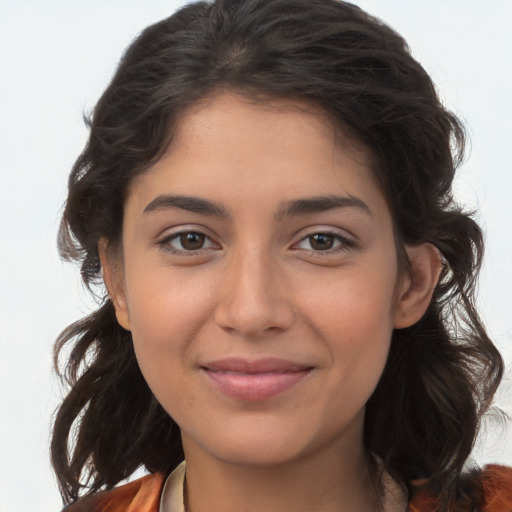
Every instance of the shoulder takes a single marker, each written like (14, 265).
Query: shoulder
(142, 495)
(497, 488)
(491, 487)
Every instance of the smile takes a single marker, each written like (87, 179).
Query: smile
(254, 380)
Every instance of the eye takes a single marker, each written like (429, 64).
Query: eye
(323, 242)
(186, 242)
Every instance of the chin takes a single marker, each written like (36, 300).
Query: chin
(253, 446)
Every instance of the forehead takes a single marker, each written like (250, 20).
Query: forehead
(226, 110)
(229, 143)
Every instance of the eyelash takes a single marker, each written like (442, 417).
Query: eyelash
(165, 243)
(344, 243)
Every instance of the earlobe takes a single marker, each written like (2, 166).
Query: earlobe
(416, 293)
(114, 282)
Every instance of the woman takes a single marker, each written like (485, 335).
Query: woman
(266, 196)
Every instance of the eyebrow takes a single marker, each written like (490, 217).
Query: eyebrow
(293, 208)
(319, 204)
(189, 203)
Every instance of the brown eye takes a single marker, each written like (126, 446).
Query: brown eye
(324, 242)
(192, 241)
(321, 241)
(187, 243)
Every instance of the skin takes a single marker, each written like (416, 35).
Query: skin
(260, 284)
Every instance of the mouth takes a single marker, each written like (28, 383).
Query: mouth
(254, 380)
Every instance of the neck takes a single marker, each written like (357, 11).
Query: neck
(323, 482)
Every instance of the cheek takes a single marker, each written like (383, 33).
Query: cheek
(354, 318)
(359, 338)
(163, 330)
(358, 301)
(165, 316)
(165, 306)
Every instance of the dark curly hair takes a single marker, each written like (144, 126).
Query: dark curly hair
(441, 373)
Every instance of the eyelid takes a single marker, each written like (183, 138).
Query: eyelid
(169, 236)
(346, 242)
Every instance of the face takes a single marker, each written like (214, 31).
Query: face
(259, 280)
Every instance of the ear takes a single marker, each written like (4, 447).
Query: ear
(418, 285)
(113, 277)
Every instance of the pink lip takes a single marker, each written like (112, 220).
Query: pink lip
(254, 380)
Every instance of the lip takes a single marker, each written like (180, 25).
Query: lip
(254, 380)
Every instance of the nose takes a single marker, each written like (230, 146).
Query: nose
(253, 301)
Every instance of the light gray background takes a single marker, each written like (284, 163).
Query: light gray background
(56, 56)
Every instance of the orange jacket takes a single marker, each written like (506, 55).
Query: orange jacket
(143, 495)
